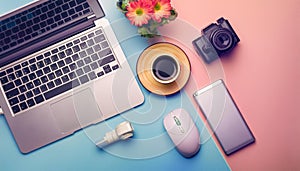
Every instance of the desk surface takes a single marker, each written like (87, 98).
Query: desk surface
(261, 75)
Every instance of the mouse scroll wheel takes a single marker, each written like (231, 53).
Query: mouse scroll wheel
(177, 121)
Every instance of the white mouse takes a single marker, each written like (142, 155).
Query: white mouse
(183, 132)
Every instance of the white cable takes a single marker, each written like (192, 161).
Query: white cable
(122, 132)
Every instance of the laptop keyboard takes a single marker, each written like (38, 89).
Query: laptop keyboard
(40, 20)
(58, 70)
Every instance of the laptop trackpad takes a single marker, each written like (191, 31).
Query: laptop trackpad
(76, 111)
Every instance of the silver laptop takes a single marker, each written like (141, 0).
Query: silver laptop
(61, 69)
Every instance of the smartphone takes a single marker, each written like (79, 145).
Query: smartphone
(224, 117)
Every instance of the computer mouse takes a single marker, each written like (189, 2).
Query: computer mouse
(183, 132)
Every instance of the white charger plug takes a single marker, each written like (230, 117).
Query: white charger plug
(122, 132)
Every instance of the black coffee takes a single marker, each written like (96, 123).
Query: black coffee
(164, 68)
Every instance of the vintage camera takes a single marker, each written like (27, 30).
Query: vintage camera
(216, 40)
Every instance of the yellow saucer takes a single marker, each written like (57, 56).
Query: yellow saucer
(144, 68)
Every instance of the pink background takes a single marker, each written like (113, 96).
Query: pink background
(262, 74)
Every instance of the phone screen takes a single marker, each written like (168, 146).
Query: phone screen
(224, 117)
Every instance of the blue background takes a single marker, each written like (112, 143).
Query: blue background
(78, 152)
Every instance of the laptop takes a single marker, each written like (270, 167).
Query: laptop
(61, 69)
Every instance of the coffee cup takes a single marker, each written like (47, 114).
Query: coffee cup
(165, 68)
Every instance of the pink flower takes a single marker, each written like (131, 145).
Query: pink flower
(161, 9)
(139, 12)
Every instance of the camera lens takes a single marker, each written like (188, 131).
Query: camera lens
(222, 39)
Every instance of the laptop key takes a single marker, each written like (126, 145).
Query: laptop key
(12, 93)
(51, 76)
(11, 77)
(22, 97)
(13, 101)
(8, 86)
(22, 88)
(19, 74)
(50, 85)
(53, 51)
(97, 48)
(37, 82)
(83, 79)
(65, 78)
(33, 60)
(90, 42)
(29, 94)
(98, 32)
(82, 54)
(79, 72)
(58, 73)
(18, 82)
(76, 49)
(32, 76)
(94, 65)
(68, 60)
(24, 64)
(104, 44)
(69, 52)
(33, 67)
(73, 66)
(36, 91)
(16, 109)
(106, 60)
(55, 58)
(90, 51)
(58, 81)
(23, 106)
(26, 70)
(75, 57)
(2, 74)
(87, 60)
(86, 11)
(83, 45)
(99, 74)
(72, 4)
(91, 35)
(39, 73)
(99, 38)
(92, 75)
(80, 63)
(40, 64)
(69, 44)
(25, 79)
(54, 67)
(29, 85)
(39, 99)
(4, 80)
(115, 67)
(61, 89)
(66, 69)
(107, 69)
(59, 2)
(43, 88)
(47, 61)
(16, 67)
(87, 69)
(30, 102)
(80, 1)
